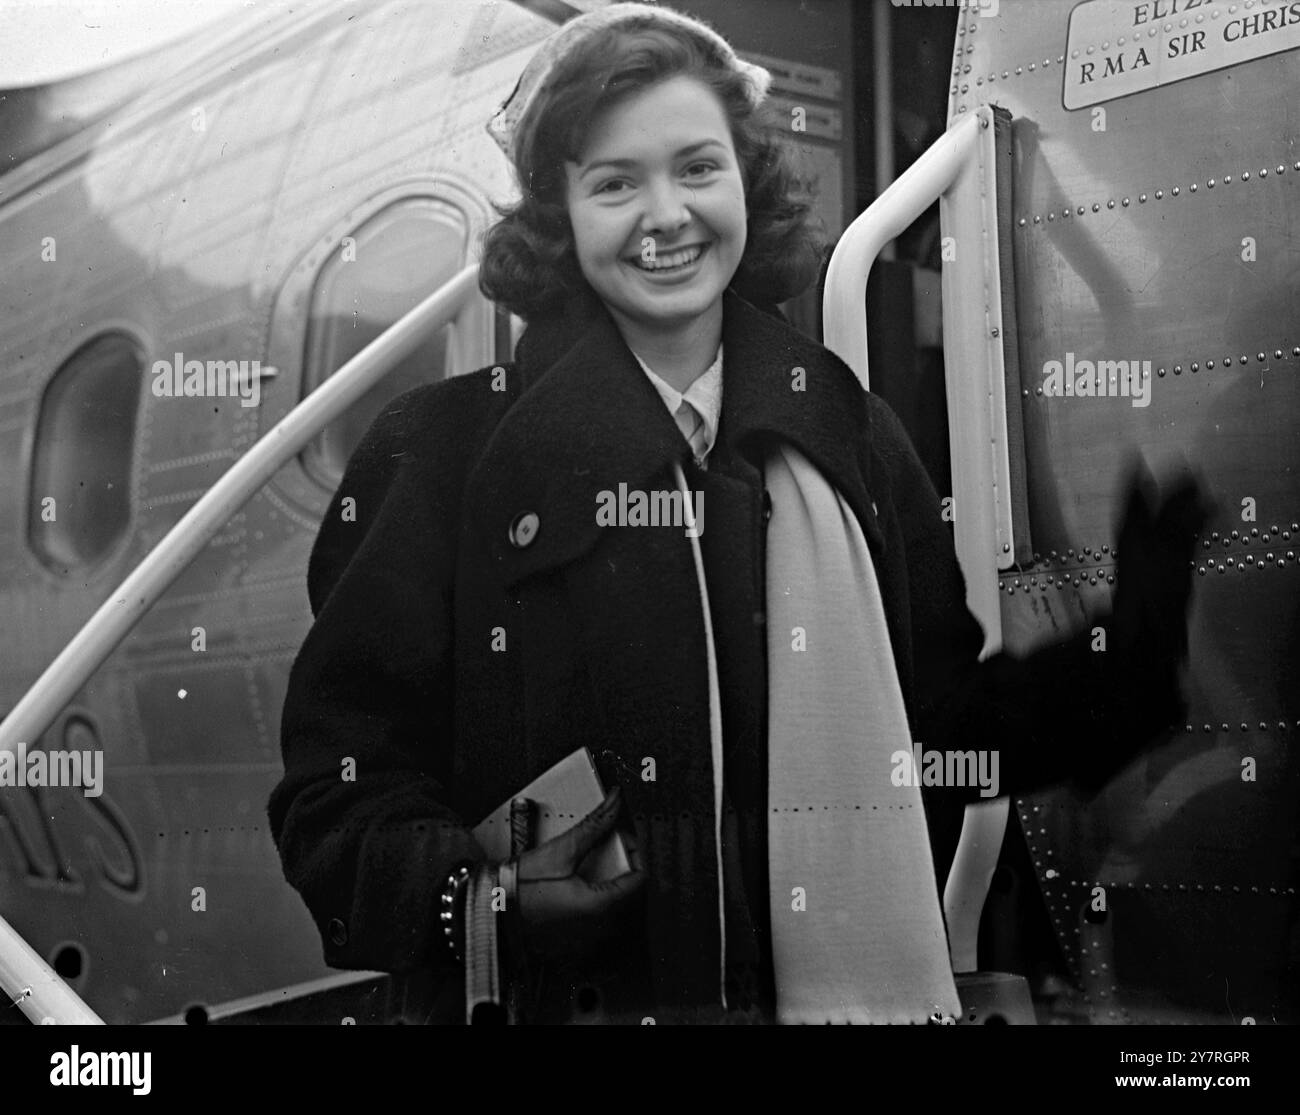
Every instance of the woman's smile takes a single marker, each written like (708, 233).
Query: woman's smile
(675, 265)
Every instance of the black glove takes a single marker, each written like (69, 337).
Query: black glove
(562, 916)
(1147, 637)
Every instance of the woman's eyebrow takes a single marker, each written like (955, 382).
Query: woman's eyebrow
(624, 164)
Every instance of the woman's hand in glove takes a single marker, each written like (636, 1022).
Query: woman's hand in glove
(1155, 549)
(562, 916)
(1148, 627)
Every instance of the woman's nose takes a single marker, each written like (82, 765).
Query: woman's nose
(666, 208)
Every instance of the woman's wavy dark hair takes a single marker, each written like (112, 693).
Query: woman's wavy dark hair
(529, 263)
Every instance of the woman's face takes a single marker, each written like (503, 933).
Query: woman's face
(657, 205)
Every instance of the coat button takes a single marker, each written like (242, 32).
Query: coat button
(338, 932)
(524, 529)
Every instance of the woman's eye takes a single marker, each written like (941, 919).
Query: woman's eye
(695, 170)
(613, 186)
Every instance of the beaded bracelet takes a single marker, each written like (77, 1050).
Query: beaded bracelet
(450, 892)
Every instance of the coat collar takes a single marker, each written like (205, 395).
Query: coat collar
(587, 419)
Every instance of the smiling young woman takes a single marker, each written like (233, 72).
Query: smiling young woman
(742, 689)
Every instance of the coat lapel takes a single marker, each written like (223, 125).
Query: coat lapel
(827, 420)
(583, 425)
(587, 420)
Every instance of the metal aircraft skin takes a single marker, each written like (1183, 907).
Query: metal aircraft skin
(207, 216)
(1157, 220)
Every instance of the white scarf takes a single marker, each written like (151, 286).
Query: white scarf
(857, 933)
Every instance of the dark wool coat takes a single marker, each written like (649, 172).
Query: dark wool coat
(605, 647)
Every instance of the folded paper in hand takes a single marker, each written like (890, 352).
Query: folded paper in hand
(563, 796)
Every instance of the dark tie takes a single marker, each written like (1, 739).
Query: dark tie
(691, 423)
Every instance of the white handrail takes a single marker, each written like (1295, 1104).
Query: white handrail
(35, 988)
(959, 169)
(844, 300)
(20, 968)
(121, 611)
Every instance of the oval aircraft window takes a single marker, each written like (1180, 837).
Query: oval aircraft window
(384, 269)
(79, 502)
